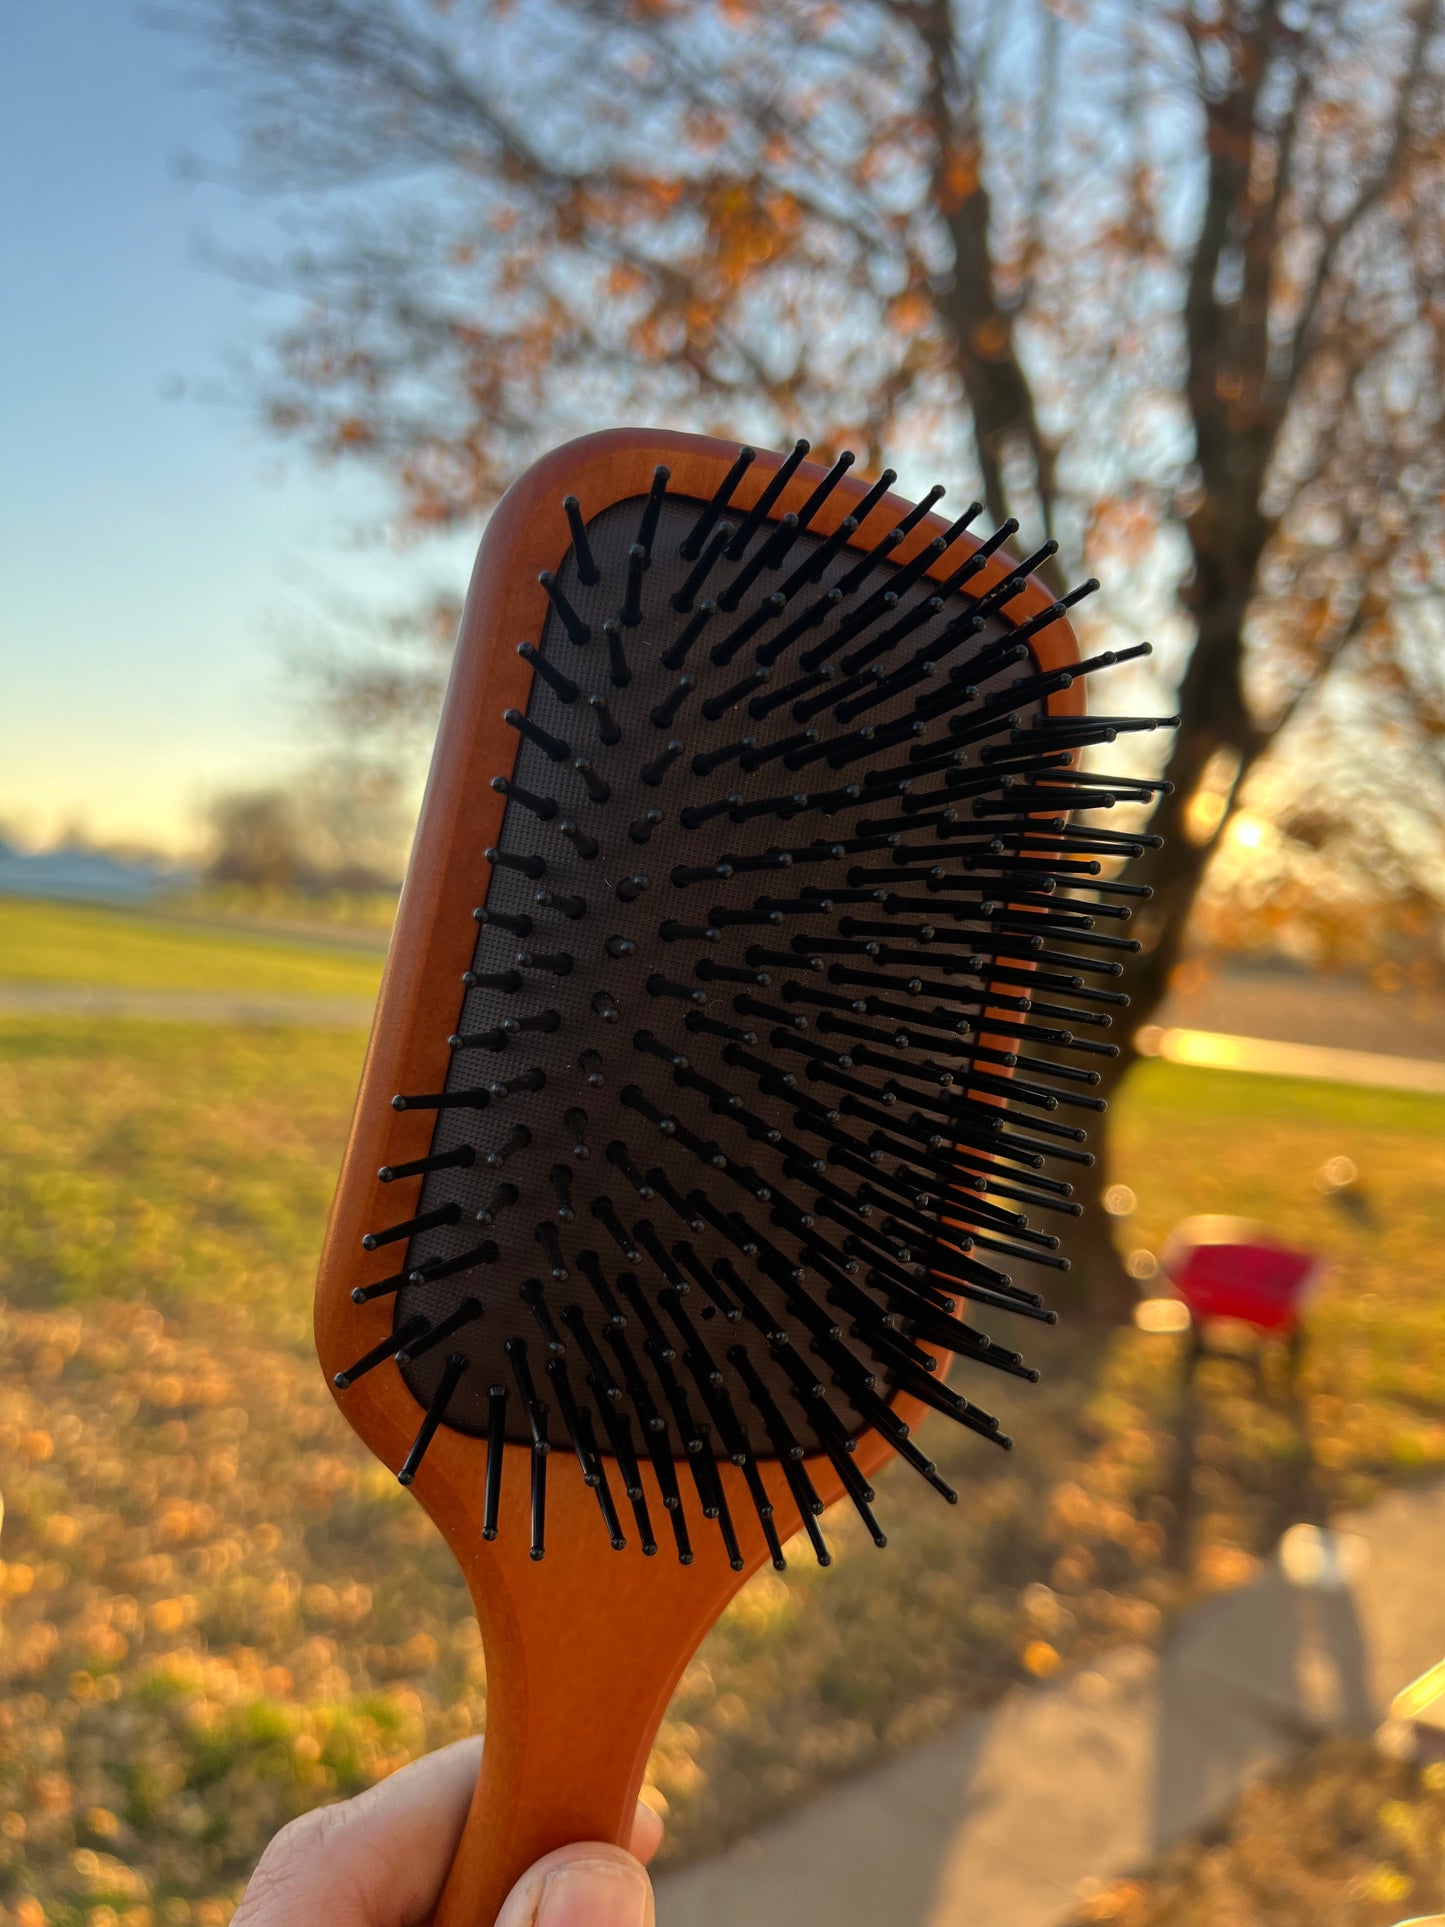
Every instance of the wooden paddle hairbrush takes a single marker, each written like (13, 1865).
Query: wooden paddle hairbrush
(726, 1043)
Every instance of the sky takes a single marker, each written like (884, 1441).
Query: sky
(161, 560)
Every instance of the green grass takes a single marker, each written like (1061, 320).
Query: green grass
(122, 949)
(177, 1164)
(217, 1609)
(1192, 1140)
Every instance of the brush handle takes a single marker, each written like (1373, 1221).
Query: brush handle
(583, 1653)
(564, 1759)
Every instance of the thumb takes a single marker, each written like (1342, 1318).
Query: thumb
(584, 1886)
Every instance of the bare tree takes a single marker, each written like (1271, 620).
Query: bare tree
(1165, 281)
(257, 841)
(339, 825)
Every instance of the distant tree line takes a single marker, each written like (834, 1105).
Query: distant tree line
(342, 826)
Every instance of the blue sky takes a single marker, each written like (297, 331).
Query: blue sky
(160, 558)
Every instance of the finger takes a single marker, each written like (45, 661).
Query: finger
(584, 1886)
(376, 1861)
(646, 1832)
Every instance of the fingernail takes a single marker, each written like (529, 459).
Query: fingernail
(595, 1893)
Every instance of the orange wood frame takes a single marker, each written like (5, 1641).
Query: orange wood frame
(585, 1647)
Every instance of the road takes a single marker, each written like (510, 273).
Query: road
(1271, 1021)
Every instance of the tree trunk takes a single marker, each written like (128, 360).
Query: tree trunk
(1216, 719)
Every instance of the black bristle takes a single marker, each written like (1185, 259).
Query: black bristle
(857, 623)
(777, 550)
(702, 528)
(494, 1039)
(732, 594)
(598, 789)
(404, 1332)
(600, 1373)
(737, 639)
(605, 1213)
(866, 564)
(677, 654)
(528, 866)
(828, 1046)
(616, 656)
(536, 1412)
(588, 573)
(586, 846)
(924, 505)
(555, 748)
(462, 1156)
(825, 488)
(812, 567)
(617, 1154)
(496, 1438)
(573, 908)
(980, 557)
(874, 496)
(411, 1227)
(812, 614)
(664, 714)
(465, 1314)
(647, 529)
(577, 630)
(485, 1253)
(630, 614)
(718, 706)
(547, 1237)
(608, 728)
(499, 919)
(683, 598)
(436, 1411)
(380, 1288)
(502, 1198)
(517, 1139)
(539, 1500)
(562, 687)
(543, 807)
(756, 516)
(556, 1369)
(561, 1181)
(653, 772)
(619, 1436)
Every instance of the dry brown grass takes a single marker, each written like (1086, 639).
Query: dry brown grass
(1349, 1840)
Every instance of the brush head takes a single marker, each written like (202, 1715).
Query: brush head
(776, 1040)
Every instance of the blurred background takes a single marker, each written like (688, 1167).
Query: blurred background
(296, 288)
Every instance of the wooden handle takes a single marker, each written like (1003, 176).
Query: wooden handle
(583, 1654)
(579, 1782)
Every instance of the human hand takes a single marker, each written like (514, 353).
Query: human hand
(380, 1860)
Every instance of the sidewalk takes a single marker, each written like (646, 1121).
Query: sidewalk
(1089, 1776)
(184, 1006)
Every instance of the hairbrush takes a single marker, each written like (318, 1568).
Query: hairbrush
(741, 1017)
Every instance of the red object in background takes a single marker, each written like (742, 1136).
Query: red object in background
(1233, 1268)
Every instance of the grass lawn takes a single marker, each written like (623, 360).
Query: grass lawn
(218, 1609)
(67, 943)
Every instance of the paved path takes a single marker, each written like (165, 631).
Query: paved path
(1176, 1043)
(1213, 1050)
(1086, 1778)
(1295, 1006)
(183, 1006)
